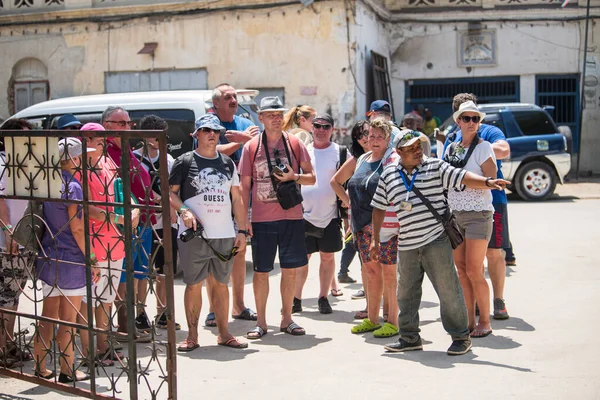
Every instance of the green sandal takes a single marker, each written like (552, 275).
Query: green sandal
(386, 331)
(365, 326)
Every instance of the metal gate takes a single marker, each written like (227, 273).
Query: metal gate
(437, 94)
(562, 92)
(52, 323)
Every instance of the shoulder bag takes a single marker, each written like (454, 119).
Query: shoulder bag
(448, 220)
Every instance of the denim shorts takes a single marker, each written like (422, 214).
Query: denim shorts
(287, 236)
(141, 251)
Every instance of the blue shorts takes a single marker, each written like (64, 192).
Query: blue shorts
(141, 249)
(287, 235)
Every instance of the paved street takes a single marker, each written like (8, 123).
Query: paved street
(548, 349)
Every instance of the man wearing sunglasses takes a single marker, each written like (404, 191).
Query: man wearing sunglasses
(117, 119)
(322, 222)
(275, 229)
(204, 189)
(239, 131)
(423, 245)
(500, 235)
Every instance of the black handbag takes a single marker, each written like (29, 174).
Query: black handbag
(288, 193)
(31, 228)
(448, 221)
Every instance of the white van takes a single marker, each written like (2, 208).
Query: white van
(179, 108)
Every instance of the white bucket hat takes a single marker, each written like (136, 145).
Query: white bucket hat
(467, 106)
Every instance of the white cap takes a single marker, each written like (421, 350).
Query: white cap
(71, 147)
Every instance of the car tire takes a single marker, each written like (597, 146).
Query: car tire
(535, 181)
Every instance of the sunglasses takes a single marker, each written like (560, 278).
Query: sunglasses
(209, 130)
(468, 119)
(123, 124)
(411, 135)
(321, 126)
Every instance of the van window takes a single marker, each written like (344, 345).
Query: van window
(181, 124)
(534, 123)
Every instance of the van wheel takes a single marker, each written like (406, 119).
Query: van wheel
(535, 181)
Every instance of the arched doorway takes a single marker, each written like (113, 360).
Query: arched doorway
(29, 84)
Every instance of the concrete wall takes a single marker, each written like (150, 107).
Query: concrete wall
(301, 49)
(524, 49)
(371, 35)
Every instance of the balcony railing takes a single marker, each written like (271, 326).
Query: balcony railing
(395, 5)
(37, 6)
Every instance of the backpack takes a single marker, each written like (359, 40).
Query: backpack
(152, 171)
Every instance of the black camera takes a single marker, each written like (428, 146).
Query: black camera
(189, 234)
(280, 169)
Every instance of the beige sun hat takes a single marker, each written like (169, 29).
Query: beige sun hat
(467, 106)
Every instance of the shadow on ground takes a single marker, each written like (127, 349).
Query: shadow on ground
(513, 324)
(218, 353)
(439, 359)
(288, 342)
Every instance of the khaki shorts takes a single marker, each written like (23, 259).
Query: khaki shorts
(475, 224)
(198, 260)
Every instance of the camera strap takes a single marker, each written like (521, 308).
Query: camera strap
(220, 256)
(287, 152)
(464, 161)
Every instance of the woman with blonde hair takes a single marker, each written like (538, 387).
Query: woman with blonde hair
(362, 179)
(298, 122)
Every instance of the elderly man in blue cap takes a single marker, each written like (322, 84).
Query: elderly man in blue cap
(201, 182)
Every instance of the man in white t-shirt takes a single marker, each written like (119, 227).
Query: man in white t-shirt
(205, 188)
(321, 220)
(148, 156)
(14, 267)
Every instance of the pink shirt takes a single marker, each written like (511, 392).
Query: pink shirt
(265, 207)
(105, 237)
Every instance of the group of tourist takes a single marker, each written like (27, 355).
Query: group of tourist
(384, 198)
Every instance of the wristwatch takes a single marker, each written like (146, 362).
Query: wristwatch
(243, 232)
(487, 181)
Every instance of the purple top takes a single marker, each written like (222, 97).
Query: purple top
(61, 246)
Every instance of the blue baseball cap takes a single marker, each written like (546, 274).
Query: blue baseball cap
(380, 106)
(210, 121)
(67, 121)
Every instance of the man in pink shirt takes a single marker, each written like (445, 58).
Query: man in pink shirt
(268, 161)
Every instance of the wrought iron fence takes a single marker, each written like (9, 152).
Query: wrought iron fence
(97, 196)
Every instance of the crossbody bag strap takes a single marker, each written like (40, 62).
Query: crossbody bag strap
(471, 149)
(287, 152)
(428, 204)
(264, 140)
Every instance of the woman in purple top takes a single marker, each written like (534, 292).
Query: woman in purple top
(61, 270)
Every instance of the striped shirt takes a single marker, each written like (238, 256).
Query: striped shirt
(418, 226)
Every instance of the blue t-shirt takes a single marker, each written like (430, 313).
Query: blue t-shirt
(492, 134)
(238, 124)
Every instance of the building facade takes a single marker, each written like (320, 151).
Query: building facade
(335, 55)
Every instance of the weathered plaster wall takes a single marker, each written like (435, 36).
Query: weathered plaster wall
(293, 47)
(524, 49)
(371, 35)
